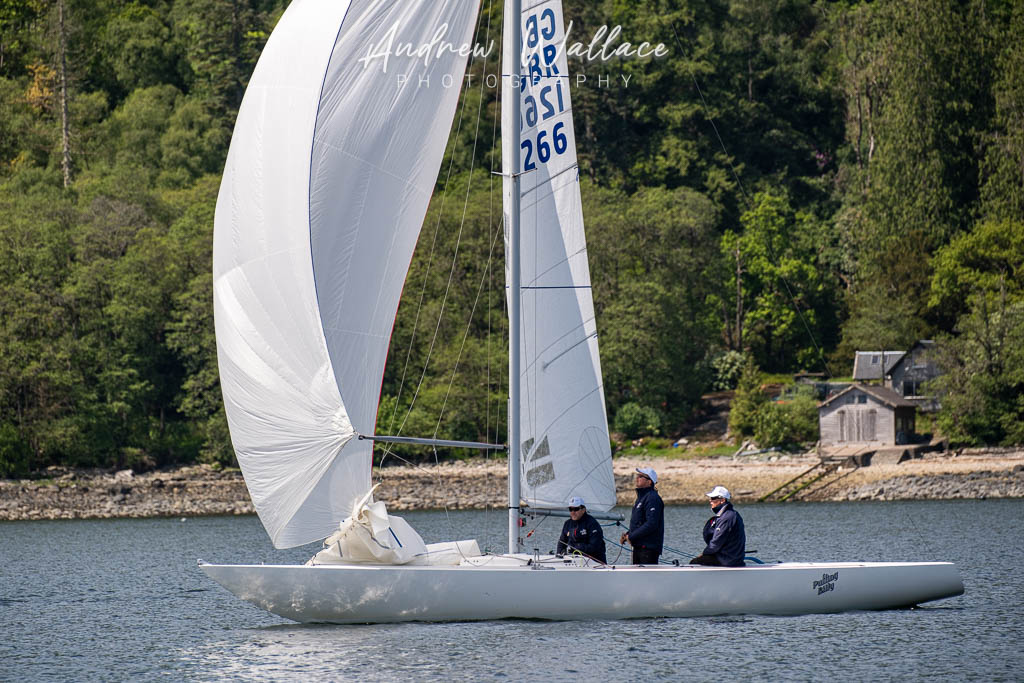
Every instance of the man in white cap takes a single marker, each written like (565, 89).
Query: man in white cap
(724, 537)
(647, 523)
(581, 533)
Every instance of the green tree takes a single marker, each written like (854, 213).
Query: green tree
(194, 143)
(189, 326)
(17, 19)
(636, 346)
(979, 277)
(982, 381)
(747, 402)
(728, 367)
(1002, 190)
(131, 135)
(649, 255)
(118, 297)
(138, 44)
(37, 373)
(753, 73)
(917, 74)
(879, 321)
(26, 138)
(791, 421)
(783, 306)
(634, 420)
(989, 258)
(222, 40)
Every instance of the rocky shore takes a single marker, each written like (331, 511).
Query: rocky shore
(200, 490)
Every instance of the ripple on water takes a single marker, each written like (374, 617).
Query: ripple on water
(129, 603)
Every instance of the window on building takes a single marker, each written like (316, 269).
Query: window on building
(875, 359)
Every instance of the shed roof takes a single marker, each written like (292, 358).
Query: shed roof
(868, 364)
(884, 394)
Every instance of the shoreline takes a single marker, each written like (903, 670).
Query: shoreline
(478, 484)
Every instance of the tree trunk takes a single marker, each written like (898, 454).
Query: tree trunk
(739, 301)
(750, 79)
(62, 65)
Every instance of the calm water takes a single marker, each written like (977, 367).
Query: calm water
(123, 600)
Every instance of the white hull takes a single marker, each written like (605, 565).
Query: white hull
(346, 594)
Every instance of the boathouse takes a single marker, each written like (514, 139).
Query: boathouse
(866, 415)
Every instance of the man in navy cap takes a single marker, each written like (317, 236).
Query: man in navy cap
(724, 537)
(647, 523)
(581, 533)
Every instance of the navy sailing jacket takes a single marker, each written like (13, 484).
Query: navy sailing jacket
(725, 537)
(647, 523)
(585, 536)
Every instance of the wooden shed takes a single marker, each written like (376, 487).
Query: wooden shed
(865, 414)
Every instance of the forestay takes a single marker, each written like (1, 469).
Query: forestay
(331, 166)
(564, 428)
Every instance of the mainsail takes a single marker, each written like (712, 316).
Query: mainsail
(564, 427)
(333, 160)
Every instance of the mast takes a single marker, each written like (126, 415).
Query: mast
(514, 37)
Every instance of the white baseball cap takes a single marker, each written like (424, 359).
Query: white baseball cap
(719, 492)
(577, 502)
(649, 473)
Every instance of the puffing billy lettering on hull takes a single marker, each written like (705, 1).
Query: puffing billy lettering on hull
(826, 583)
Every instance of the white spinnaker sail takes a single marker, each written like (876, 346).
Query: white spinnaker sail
(564, 425)
(328, 177)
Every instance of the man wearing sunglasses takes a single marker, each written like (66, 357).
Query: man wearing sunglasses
(581, 533)
(647, 523)
(724, 536)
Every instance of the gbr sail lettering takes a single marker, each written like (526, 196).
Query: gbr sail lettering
(546, 98)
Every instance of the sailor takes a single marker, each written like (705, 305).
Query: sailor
(724, 536)
(581, 533)
(647, 523)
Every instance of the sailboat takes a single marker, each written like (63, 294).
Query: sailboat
(332, 163)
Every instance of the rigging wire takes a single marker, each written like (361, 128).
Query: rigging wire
(389, 449)
(451, 272)
(484, 279)
(465, 335)
(490, 253)
(750, 205)
(458, 240)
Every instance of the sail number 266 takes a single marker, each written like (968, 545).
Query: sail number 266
(558, 143)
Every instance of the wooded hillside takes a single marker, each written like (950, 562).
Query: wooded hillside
(795, 180)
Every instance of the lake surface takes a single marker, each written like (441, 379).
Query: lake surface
(124, 600)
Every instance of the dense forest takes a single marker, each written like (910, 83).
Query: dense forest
(793, 181)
